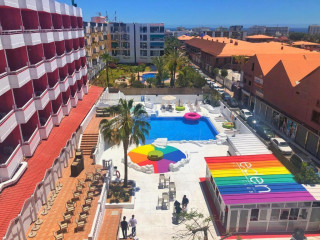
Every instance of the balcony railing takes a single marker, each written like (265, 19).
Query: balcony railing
(57, 117)
(11, 164)
(24, 113)
(42, 100)
(54, 92)
(29, 146)
(46, 128)
(66, 108)
(8, 122)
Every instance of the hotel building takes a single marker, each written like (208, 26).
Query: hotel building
(43, 74)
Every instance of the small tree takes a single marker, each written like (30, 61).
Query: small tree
(307, 175)
(150, 81)
(197, 226)
(298, 234)
(224, 74)
(216, 72)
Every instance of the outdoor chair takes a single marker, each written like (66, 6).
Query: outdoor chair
(80, 225)
(88, 201)
(79, 188)
(83, 216)
(59, 186)
(67, 216)
(89, 177)
(81, 182)
(70, 207)
(76, 195)
(85, 208)
(98, 170)
(63, 226)
(90, 194)
(58, 236)
(165, 201)
(166, 180)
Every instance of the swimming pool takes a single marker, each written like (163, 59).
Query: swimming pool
(176, 128)
(147, 75)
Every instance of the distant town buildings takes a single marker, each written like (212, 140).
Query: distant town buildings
(314, 29)
(235, 32)
(271, 31)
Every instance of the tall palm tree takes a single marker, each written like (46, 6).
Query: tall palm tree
(160, 63)
(128, 128)
(175, 58)
(107, 59)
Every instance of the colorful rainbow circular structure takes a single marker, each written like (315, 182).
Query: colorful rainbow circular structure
(192, 116)
(171, 154)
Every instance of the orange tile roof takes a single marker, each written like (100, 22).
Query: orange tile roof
(297, 66)
(227, 47)
(298, 43)
(13, 197)
(185, 37)
(259, 36)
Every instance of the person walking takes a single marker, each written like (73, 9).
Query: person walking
(185, 202)
(124, 227)
(133, 225)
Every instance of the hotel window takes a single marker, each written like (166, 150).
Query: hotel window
(315, 117)
(263, 215)
(284, 213)
(143, 53)
(294, 212)
(143, 38)
(275, 215)
(303, 214)
(254, 215)
(143, 45)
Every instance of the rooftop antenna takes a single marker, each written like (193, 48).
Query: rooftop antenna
(107, 18)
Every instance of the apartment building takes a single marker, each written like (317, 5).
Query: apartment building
(314, 29)
(136, 42)
(271, 31)
(43, 74)
(235, 32)
(96, 41)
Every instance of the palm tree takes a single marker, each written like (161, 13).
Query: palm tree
(128, 128)
(107, 59)
(160, 63)
(175, 59)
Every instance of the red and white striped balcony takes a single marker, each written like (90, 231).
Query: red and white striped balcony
(25, 113)
(4, 83)
(10, 3)
(76, 55)
(67, 35)
(61, 61)
(19, 78)
(42, 100)
(84, 70)
(70, 57)
(74, 100)
(85, 88)
(72, 79)
(64, 85)
(28, 4)
(55, 7)
(54, 92)
(7, 124)
(43, 5)
(32, 38)
(46, 129)
(74, 34)
(80, 33)
(56, 118)
(11, 41)
(58, 36)
(46, 37)
(37, 71)
(78, 75)
(30, 146)
(51, 65)
(8, 168)
(66, 108)
(80, 93)
(82, 52)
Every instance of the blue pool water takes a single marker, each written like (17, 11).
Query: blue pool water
(147, 75)
(176, 128)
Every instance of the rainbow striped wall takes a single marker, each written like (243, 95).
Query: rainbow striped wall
(255, 179)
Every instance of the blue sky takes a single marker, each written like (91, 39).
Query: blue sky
(295, 13)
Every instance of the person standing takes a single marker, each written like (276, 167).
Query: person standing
(133, 225)
(185, 202)
(124, 227)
